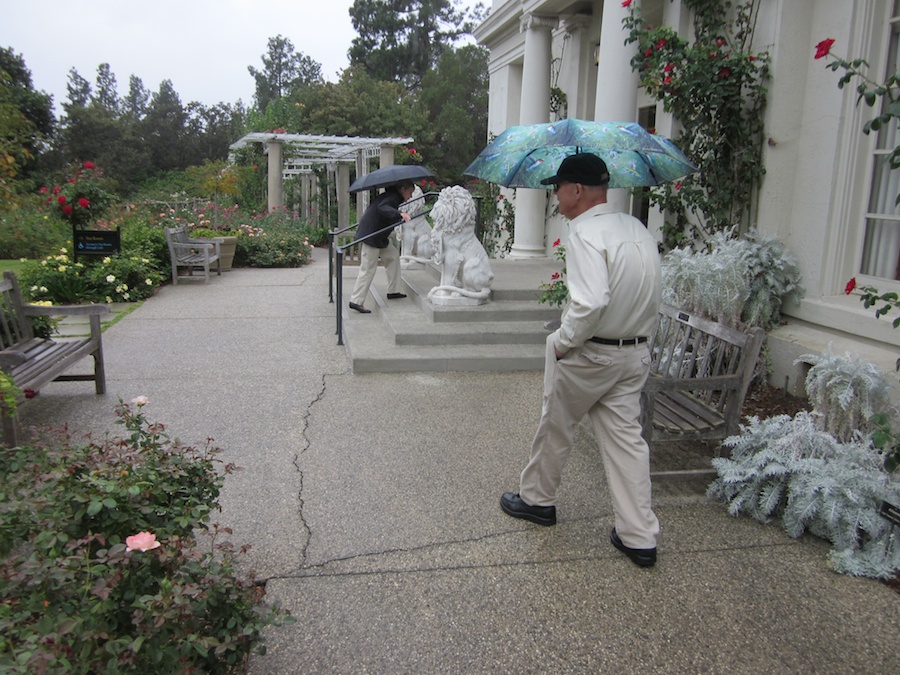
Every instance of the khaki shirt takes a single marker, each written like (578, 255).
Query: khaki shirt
(613, 276)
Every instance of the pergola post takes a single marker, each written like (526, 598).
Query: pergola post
(362, 168)
(343, 194)
(275, 167)
(387, 156)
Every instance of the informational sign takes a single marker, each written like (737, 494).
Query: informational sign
(96, 242)
(890, 512)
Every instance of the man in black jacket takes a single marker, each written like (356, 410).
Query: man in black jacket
(382, 212)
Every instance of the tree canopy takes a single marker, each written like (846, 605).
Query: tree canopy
(284, 69)
(401, 40)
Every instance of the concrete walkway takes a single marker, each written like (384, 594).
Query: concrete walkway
(371, 505)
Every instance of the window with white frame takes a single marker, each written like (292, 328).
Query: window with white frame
(881, 247)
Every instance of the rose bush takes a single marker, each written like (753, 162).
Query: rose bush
(104, 568)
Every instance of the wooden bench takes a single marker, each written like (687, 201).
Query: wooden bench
(699, 376)
(32, 361)
(192, 254)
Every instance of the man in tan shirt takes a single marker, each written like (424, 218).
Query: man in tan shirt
(598, 360)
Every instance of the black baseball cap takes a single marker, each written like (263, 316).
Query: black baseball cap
(583, 168)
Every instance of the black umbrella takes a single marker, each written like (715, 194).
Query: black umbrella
(390, 175)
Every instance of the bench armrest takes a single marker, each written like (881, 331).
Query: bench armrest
(68, 310)
(9, 358)
(198, 245)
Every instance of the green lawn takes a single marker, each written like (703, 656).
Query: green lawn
(14, 265)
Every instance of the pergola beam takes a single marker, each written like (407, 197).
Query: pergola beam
(297, 154)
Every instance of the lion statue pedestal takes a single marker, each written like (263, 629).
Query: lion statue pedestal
(466, 274)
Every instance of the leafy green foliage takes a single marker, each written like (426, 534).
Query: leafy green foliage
(119, 278)
(556, 292)
(715, 87)
(82, 594)
(31, 229)
(273, 239)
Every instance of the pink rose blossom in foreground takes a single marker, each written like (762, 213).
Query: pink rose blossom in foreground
(140, 400)
(142, 541)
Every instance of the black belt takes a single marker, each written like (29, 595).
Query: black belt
(620, 342)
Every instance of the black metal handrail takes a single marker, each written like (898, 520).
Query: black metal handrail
(337, 254)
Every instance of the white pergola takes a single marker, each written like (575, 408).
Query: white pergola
(296, 154)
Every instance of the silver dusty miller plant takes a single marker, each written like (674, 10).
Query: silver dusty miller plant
(819, 471)
(740, 282)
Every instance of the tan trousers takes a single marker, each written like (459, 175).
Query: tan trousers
(368, 264)
(603, 382)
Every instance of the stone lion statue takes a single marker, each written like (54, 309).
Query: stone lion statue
(416, 234)
(466, 273)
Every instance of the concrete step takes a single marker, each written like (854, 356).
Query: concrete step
(412, 335)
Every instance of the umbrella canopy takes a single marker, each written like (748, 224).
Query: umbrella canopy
(522, 156)
(390, 175)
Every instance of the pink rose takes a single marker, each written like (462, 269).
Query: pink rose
(140, 400)
(142, 541)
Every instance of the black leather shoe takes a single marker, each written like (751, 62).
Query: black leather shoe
(642, 557)
(512, 505)
(360, 308)
(396, 296)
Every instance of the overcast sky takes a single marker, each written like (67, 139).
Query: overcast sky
(202, 46)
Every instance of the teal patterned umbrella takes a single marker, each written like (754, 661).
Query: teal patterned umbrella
(522, 156)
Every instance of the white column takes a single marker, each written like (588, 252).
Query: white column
(531, 204)
(617, 84)
(275, 167)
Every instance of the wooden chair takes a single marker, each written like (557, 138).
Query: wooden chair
(191, 254)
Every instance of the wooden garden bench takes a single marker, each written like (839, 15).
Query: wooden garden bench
(699, 376)
(192, 254)
(32, 361)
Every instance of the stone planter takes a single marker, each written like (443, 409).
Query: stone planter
(226, 251)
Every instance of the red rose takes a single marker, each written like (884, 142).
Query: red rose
(67, 209)
(56, 189)
(661, 43)
(823, 48)
(848, 289)
(43, 190)
(84, 203)
(626, 3)
(71, 180)
(61, 199)
(649, 51)
(29, 393)
(669, 68)
(87, 165)
(725, 72)
(555, 276)
(556, 243)
(678, 185)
